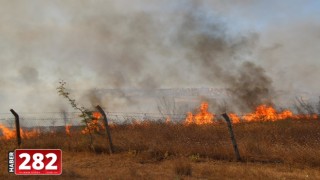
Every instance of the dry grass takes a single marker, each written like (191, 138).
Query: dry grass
(285, 149)
(86, 165)
(183, 168)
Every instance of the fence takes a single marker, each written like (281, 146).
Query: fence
(38, 119)
(51, 120)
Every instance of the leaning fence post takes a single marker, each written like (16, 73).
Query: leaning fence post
(17, 126)
(234, 143)
(107, 127)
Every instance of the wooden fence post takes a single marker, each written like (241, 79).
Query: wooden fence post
(17, 126)
(107, 128)
(234, 143)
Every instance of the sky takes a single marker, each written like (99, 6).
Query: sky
(155, 44)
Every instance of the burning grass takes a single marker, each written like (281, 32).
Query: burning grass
(287, 141)
(262, 112)
(265, 136)
(290, 143)
(8, 134)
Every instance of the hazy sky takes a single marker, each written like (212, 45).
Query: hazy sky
(151, 44)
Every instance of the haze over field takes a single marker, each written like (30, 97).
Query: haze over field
(252, 48)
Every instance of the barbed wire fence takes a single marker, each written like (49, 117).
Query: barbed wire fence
(44, 119)
(57, 119)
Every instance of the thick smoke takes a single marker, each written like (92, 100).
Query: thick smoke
(219, 58)
(108, 44)
(251, 86)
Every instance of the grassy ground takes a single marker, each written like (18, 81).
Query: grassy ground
(287, 149)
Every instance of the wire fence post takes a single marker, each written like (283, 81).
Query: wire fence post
(111, 149)
(233, 139)
(17, 126)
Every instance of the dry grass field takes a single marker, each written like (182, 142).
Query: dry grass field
(287, 149)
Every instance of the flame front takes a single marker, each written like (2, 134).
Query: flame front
(202, 117)
(68, 126)
(267, 113)
(7, 133)
(261, 113)
(235, 118)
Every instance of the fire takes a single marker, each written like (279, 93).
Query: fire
(11, 134)
(94, 125)
(68, 126)
(189, 119)
(235, 118)
(261, 113)
(202, 117)
(96, 115)
(7, 133)
(267, 113)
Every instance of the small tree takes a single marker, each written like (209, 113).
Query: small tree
(86, 115)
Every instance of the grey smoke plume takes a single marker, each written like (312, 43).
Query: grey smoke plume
(218, 58)
(252, 86)
(147, 45)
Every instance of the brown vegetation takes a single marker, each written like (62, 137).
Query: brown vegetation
(287, 149)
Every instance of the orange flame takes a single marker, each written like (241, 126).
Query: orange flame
(262, 113)
(202, 117)
(68, 126)
(11, 134)
(7, 133)
(189, 118)
(94, 125)
(96, 115)
(235, 118)
(267, 113)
